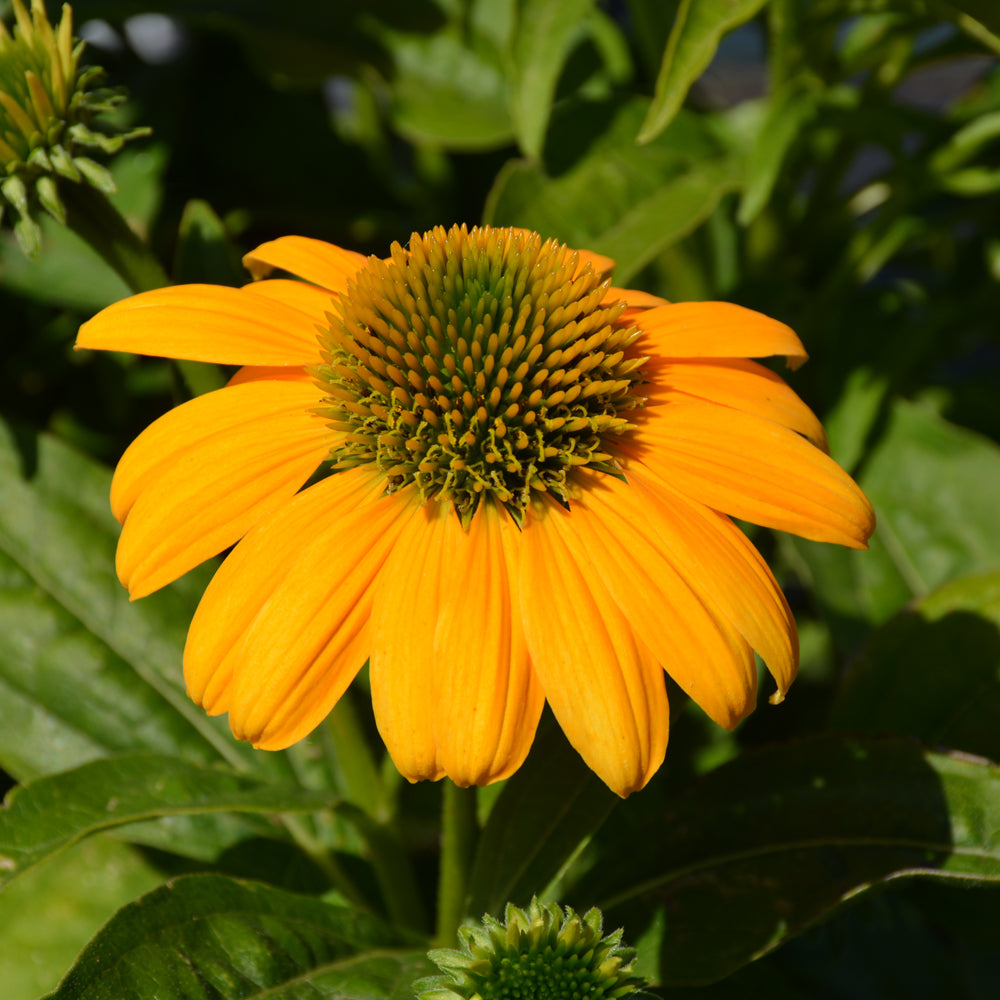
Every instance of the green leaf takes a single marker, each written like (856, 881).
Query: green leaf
(986, 12)
(204, 937)
(94, 671)
(544, 814)
(787, 113)
(697, 30)
(936, 491)
(546, 32)
(51, 913)
(747, 856)
(933, 672)
(449, 88)
(609, 195)
(47, 815)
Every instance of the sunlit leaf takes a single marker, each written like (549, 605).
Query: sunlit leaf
(749, 855)
(47, 815)
(204, 937)
(936, 491)
(697, 30)
(609, 195)
(546, 31)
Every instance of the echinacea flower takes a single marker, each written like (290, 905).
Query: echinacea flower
(533, 477)
(49, 109)
(539, 952)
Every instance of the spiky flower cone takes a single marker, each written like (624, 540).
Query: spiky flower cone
(48, 109)
(540, 952)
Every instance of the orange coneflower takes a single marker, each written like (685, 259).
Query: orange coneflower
(534, 473)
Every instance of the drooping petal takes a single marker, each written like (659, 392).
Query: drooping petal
(197, 479)
(682, 628)
(257, 373)
(205, 323)
(464, 642)
(742, 385)
(716, 330)
(283, 627)
(605, 687)
(753, 469)
(600, 263)
(679, 542)
(320, 263)
(402, 654)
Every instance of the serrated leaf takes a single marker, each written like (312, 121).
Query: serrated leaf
(933, 672)
(747, 856)
(204, 937)
(545, 812)
(698, 28)
(47, 815)
(609, 195)
(546, 32)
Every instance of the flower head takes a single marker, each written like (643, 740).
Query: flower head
(48, 107)
(539, 952)
(533, 478)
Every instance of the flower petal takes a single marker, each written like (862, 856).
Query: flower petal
(198, 478)
(313, 301)
(407, 602)
(318, 262)
(742, 385)
(605, 687)
(753, 469)
(205, 323)
(716, 330)
(282, 628)
(487, 700)
(682, 628)
(670, 537)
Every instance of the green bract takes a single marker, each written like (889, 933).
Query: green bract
(48, 107)
(540, 952)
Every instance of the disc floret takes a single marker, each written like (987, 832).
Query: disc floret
(479, 364)
(539, 952)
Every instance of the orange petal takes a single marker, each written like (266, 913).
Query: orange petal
(683, 629)
(636, 301)
(716, 330)
(402, 659)
(753, 469)
(605, 687)
(198, 478)
(671, 537)
(742, 385)
(313, 301)
(257, 373)
(320, 263)
(282, 628)
(205, 323)
(462, 642)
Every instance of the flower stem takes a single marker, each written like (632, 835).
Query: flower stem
(96, 221)
(458, 840)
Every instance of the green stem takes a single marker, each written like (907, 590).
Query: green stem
(458, 841)
(96, 221)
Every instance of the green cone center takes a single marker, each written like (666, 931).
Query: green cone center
(541, 977)
(478, 364)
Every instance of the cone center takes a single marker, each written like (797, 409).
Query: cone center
(478, 364)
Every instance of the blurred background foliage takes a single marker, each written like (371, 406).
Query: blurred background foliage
(833, 163)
